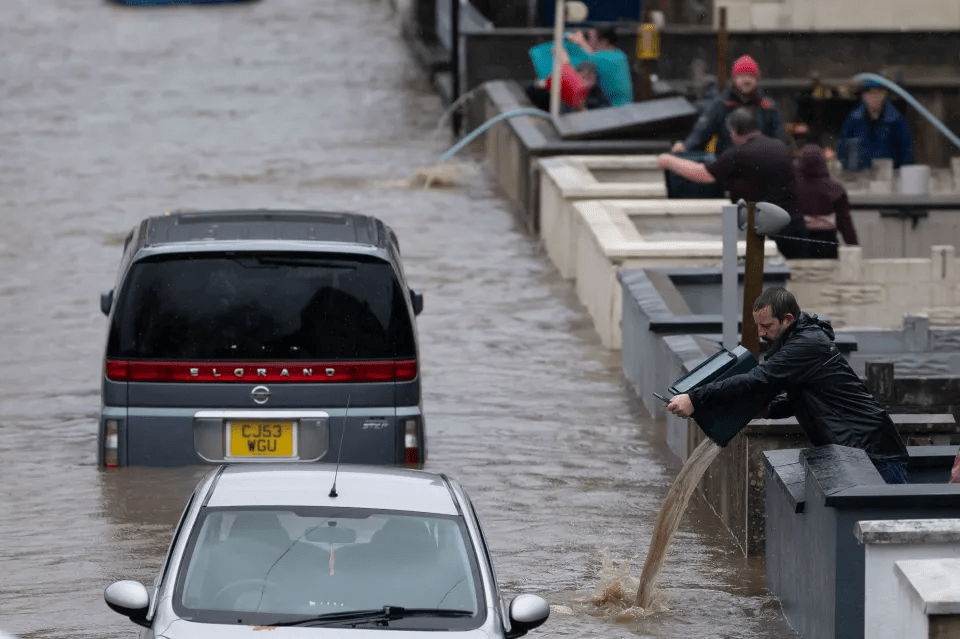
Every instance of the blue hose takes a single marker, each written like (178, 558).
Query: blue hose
(489, 123)
(893, 86)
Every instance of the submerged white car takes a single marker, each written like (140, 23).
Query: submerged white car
(308, 550)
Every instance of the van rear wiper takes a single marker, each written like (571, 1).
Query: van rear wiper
(377, 615)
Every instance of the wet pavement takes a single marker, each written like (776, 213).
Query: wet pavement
(109, 114)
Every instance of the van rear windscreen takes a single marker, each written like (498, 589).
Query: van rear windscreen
(264, 306)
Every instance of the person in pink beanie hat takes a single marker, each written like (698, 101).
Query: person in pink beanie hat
(744, 92)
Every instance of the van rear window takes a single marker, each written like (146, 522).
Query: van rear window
(262, 306)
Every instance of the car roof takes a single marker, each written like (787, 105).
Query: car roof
(245, 225)
(309, 484)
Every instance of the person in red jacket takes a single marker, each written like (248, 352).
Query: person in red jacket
(823, 204)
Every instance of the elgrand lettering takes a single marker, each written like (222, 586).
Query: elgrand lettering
(266, 372)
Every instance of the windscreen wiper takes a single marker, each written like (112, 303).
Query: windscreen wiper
(377, 615)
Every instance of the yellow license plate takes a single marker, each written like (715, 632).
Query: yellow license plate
(255, 438)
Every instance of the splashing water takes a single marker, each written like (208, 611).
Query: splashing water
(613, 597)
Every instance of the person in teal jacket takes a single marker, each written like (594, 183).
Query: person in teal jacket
(598, 47)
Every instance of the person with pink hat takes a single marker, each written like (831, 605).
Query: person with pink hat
(744, 92)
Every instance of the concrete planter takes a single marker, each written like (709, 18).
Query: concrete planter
(614, 235)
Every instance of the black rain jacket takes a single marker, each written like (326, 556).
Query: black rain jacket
(713, 121)
(804, 374)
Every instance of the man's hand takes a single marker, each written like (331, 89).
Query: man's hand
(678, 147)
(664, 160)
(681, 406)
(578, 38)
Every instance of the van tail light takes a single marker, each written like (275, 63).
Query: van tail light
(411, 442)
(111, 437)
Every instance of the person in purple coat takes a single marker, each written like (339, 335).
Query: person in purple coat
(823, 205)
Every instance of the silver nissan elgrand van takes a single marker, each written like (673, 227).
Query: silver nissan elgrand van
(252, 336)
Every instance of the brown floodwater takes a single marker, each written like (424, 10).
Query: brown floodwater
(109, 114)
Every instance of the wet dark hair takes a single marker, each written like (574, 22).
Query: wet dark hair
(742, 121)
(780, 300)
(587, 66)
(609, 34)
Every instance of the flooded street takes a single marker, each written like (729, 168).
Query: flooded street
(110, 114)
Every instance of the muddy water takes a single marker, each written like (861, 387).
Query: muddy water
(108, 114)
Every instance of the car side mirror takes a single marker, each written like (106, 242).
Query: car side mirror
(129, 598)
(417, 300)
(526, 613)
(106, 302)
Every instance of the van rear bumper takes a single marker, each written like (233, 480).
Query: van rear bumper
(182, 437)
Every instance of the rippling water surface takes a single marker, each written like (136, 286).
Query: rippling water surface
(109, 114)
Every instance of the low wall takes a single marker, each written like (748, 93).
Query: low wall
(880, 292)
(513, 146)
(855, 291)
(564, 181)
(929, 598)
(620, 234)
(813, 501)
(887, 543)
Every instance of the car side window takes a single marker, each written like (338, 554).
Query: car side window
(161, 578)
(489, 559)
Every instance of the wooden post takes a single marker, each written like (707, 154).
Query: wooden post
(723, 38)
(457, 118)
(752, 283)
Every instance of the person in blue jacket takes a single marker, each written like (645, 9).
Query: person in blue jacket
(879, 129)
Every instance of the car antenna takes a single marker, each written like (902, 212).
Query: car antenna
(333, 489)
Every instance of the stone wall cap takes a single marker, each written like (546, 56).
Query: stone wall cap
(908, 531)
(935, 581)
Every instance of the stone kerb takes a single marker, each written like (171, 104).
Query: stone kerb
(565, 180)
(609, 239)
(855, 291)
(887, 543)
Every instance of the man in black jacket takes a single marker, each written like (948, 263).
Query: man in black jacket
(804, 374)
(757, 168)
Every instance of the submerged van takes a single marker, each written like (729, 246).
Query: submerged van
(253, 336)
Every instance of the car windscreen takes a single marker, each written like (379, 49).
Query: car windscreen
(263, 306)
(285, 566)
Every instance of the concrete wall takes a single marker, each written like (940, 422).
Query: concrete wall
(569, 179)
(608, 240)
(513, 146)
(880, 292)
(830, 15)
(887, 543)
(928, 599)
(815, 565)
